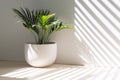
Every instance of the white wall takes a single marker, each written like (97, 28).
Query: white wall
(96, 38)
(13, 35)
(97, 23)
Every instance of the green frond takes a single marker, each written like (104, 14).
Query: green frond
(42, 23)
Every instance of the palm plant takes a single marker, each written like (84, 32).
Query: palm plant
(42, 23)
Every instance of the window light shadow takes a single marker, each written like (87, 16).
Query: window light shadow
(64, 72)
(97, 23)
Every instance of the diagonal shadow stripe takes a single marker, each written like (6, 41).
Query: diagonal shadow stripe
(96, 25)
(93, 46)
(111, 8)
(106, 39)
(110, 47)
(98, 41)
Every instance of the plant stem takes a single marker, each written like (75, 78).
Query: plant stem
(33, 35)
(44, 36)
(39, 41)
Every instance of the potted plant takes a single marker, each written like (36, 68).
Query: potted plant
(42, 23)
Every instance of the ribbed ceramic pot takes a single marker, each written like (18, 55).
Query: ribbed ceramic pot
(40, 55)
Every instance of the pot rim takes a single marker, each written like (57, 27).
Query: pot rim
(41, 44)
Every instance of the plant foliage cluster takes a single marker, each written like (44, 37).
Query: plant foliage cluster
(42, 23)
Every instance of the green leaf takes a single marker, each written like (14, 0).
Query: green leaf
(44, 19)
(41, 23)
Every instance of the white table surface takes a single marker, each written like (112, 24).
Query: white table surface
(16, 70)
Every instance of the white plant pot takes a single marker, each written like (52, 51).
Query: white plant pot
(40, 55)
